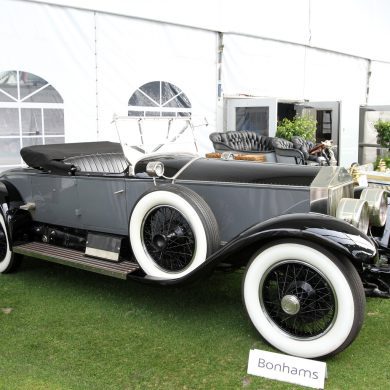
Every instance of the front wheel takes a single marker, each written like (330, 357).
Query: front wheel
(9, 261)
(303, 300)
(172, 232)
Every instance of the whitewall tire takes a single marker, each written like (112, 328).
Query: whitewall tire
(303, 300)
(172, 232)
(8, 261)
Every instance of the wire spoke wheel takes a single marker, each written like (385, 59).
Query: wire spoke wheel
(168, 238)
(172, 231)
(298, 299)
(303, 299)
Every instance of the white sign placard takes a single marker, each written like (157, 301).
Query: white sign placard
(305, 372)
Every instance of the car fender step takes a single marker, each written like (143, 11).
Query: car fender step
(75, 259)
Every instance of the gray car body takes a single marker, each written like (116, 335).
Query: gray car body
(105, 203)
(252, 203)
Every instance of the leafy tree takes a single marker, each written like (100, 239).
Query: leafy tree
(302, 126)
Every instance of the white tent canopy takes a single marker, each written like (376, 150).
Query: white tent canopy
(97, 55)
(355, 27)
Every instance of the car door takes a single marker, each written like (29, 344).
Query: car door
(56, 200)
(103, 204)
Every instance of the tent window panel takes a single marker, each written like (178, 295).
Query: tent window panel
(54, 121)
(8, 83)
(152, 113)
(54, 140)
(10, 151)
(168, 113)
(139, 99)
(28, 141)
(159, 98)
(168, 92)
(30, 85)
(135, 113)
(153, 90)
(31, 121)
(46, 95)
(23, 123)
(5, 98)
(179, 101)
(9, 121)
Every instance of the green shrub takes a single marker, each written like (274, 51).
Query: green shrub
(383, 129)
(302, 126)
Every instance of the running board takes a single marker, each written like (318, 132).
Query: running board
(75, 259)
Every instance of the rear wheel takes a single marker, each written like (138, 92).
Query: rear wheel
(172, 232)
(303, 300)
(9, 261)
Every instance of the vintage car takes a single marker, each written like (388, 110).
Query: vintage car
(172, 218)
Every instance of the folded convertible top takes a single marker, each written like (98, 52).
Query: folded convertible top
(51, 157)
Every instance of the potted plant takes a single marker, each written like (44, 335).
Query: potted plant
(383, 129)
(302, 126)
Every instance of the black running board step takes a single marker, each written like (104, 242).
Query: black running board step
(75, 259)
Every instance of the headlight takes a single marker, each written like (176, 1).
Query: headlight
(155, 169)
(376, 199)
(355, 212)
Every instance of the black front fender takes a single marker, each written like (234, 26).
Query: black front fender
(324, 230)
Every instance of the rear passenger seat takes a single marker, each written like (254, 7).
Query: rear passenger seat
(99, 163)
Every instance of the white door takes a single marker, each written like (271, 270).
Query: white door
(253, 114)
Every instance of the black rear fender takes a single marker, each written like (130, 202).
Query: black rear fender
(18, 222)
(9, 196)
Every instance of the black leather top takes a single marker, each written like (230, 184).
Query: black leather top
(98, 157)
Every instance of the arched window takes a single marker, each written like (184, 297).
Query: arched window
(159, 98)
(31, 113)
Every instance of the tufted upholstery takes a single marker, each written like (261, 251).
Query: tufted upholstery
(281, 143)
(286, 153)
(304, 146)
(99, 163)
(297, 152)
(243, 141)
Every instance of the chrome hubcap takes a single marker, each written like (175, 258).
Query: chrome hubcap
(290, 304)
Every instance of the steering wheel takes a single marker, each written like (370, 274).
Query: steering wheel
(317, 149)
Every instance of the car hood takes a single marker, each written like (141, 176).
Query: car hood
(218, 170)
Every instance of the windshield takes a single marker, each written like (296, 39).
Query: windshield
(142, 137)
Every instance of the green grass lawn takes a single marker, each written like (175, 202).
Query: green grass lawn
(70, 329)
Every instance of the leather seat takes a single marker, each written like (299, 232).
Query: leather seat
(286, 153)
(296, 152)
(99, 163)
(243, 142)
